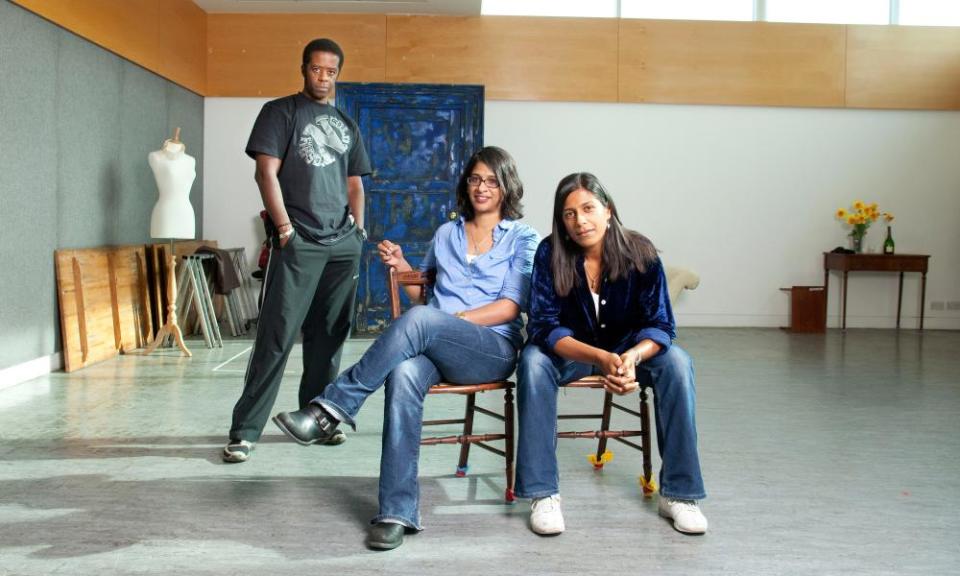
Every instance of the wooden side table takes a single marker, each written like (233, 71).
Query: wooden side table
(901, 263)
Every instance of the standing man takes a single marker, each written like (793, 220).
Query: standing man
(310, 159)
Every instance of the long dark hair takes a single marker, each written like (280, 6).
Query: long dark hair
(623, 250)
(505, 168)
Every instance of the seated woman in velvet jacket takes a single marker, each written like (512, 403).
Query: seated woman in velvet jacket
(599, 305)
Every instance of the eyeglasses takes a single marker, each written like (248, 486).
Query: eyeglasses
(491, 182)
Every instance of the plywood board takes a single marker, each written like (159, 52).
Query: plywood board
(747, 63)
(102, 300)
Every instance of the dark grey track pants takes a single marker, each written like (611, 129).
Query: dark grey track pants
(308, 287)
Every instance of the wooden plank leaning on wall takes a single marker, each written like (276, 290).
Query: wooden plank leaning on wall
(103, 303)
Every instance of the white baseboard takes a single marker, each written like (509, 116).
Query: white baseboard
(931, 322)
(29, 370)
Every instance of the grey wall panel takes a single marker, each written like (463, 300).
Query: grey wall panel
(29, 151)
(186, 111)
(143, 125)
(76, 125)
(88, 128)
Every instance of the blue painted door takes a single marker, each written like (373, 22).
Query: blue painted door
(419, 138)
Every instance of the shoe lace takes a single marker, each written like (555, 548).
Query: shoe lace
(685, 505)
(546, 505)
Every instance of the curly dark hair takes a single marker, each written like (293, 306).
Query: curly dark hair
(505, 168)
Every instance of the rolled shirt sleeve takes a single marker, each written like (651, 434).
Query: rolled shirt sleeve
(516, 284)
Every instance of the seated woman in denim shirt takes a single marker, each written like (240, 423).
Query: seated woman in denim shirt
(467, 334)
(599, 305)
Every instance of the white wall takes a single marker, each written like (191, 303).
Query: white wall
(744, 196)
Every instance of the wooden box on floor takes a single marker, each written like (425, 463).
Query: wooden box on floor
(808, 309)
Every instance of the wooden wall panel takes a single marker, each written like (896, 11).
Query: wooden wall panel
(526, 58)
(260, 54)
(749, 63)
(167, 37)
(516, 58)
(182, 44)
(903, 67)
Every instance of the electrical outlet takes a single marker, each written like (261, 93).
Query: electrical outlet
(954, 305)
(936, 305)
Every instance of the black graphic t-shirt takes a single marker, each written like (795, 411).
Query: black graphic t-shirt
(320, 147)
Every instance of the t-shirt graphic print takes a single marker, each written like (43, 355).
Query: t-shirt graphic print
(323, 141)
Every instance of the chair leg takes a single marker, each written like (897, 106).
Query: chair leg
(604, 427)
(508, 430)
(467, 431)
(646, 481)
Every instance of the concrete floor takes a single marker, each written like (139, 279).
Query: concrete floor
(822, 454)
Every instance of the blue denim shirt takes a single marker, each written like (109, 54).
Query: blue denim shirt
(502, 272)
(632, 309)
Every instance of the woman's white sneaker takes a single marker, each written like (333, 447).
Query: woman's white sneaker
(686, 515)
(545, 515)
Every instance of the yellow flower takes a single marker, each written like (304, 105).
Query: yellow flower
(860, 216)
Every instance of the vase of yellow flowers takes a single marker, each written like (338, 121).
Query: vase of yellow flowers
(859, 217)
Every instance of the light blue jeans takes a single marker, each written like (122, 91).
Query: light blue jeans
(539, 378)
(419, 349)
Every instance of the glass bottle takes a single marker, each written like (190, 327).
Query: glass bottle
(888, 244)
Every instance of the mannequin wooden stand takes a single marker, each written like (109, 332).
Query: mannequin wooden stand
(170, 328)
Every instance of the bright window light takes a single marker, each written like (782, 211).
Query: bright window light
(572, 8)
(829, 11)
(929, 13)
(688, 9)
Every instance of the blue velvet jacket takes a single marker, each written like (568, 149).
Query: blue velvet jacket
(632, 309)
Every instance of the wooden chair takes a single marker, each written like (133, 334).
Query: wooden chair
(602, 455)
(416, 278)
(678, 280)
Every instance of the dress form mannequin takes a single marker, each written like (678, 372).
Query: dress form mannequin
(174, 171)
(172, 218)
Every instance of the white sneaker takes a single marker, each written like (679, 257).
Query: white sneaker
(686, 515)
(545, 515)
(237, 451)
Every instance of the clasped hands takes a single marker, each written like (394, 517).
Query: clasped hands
(619, 371)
